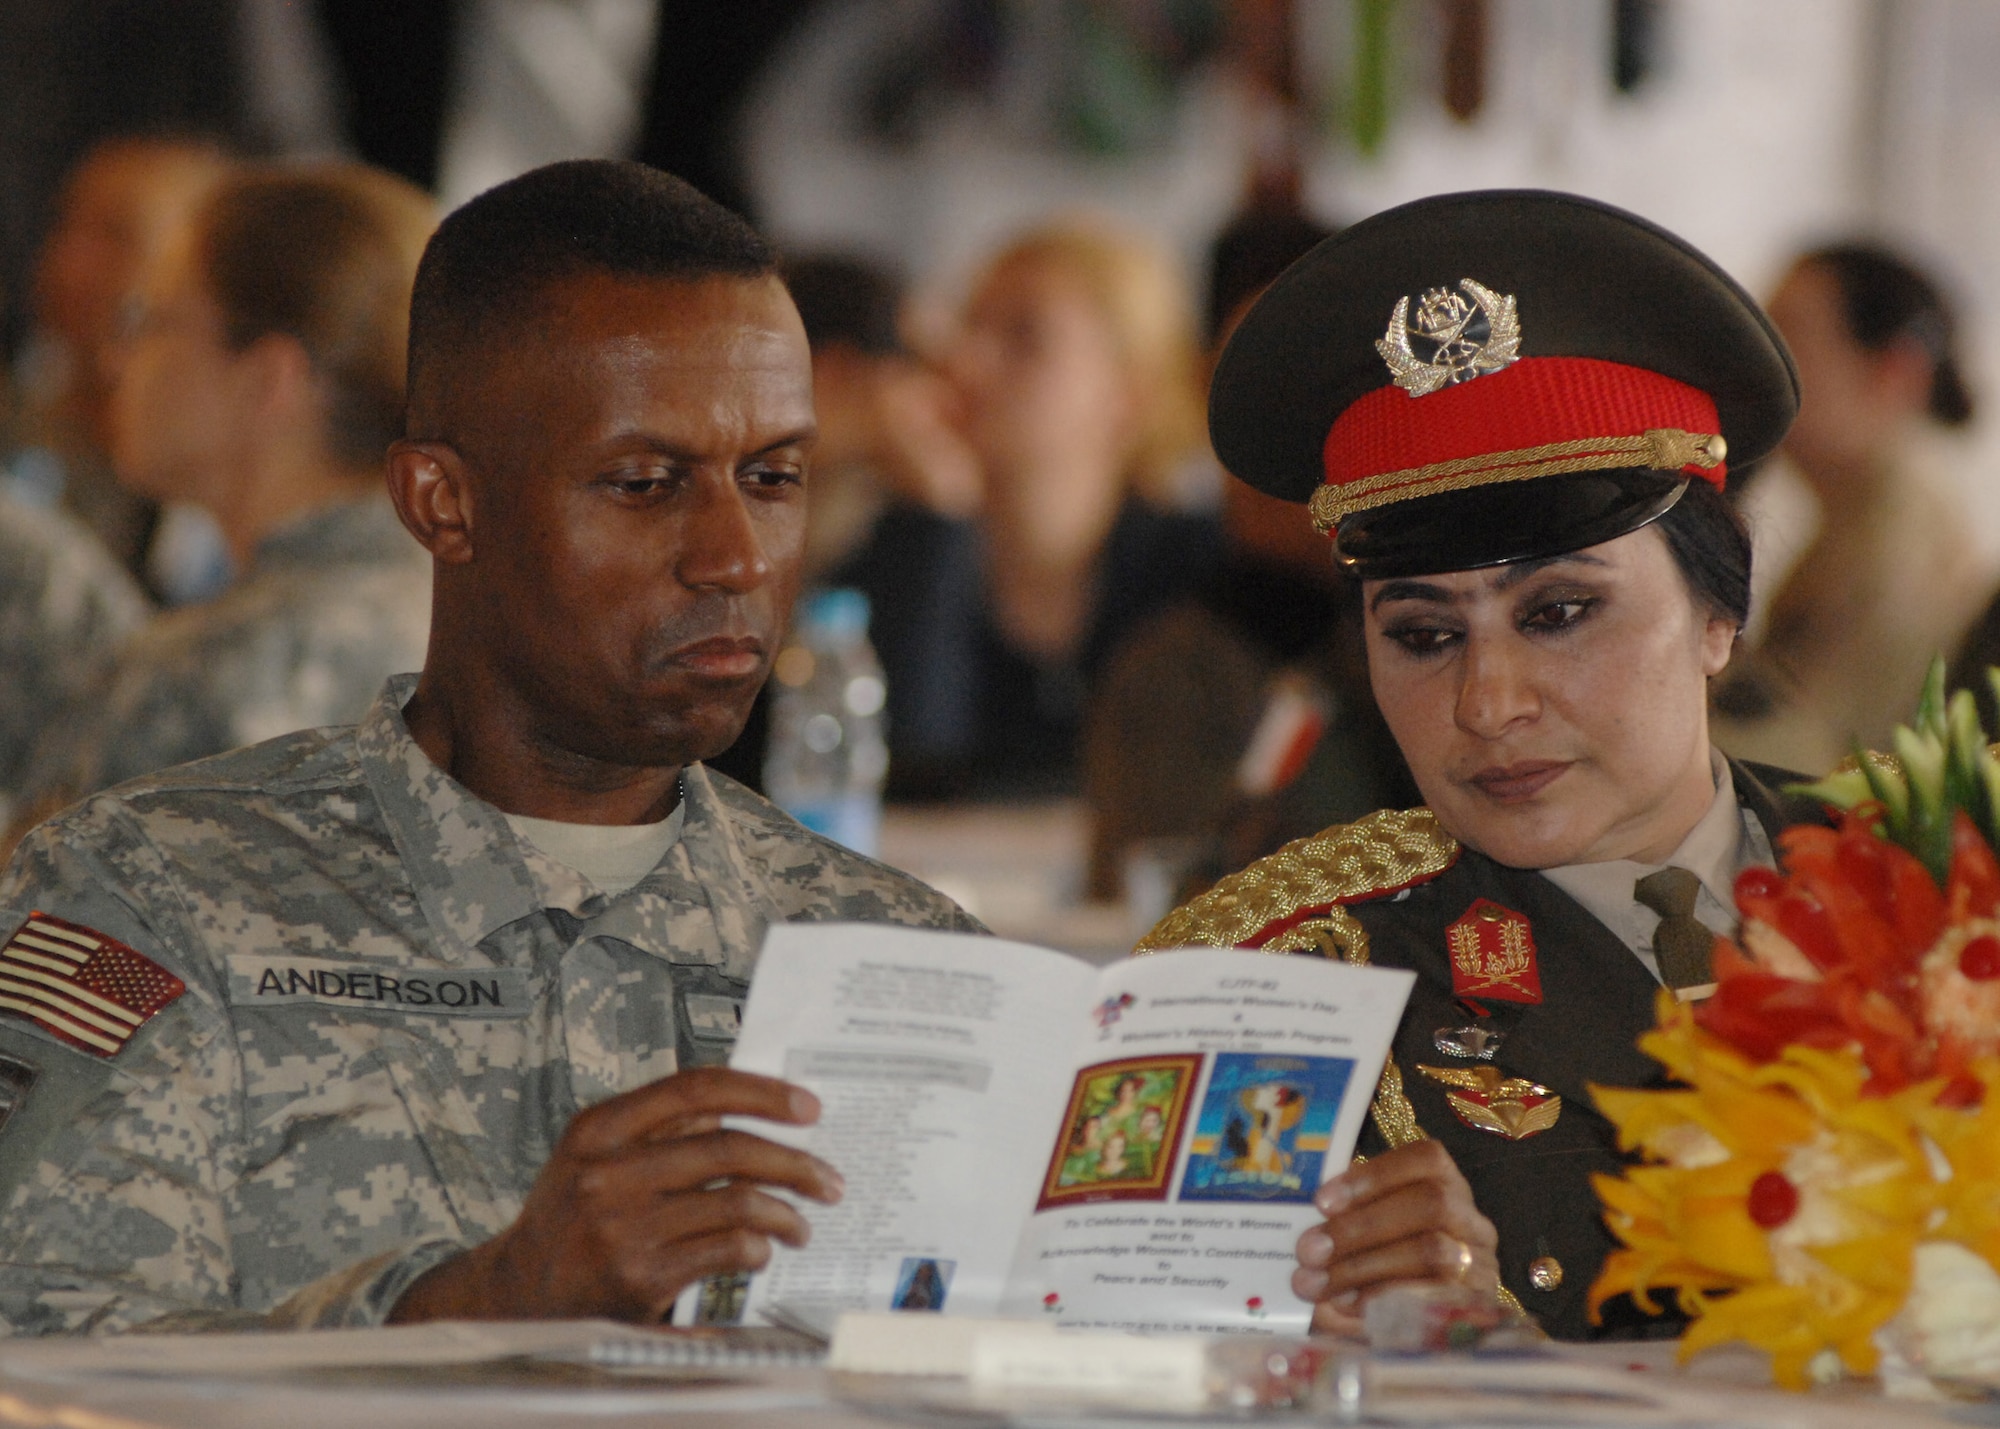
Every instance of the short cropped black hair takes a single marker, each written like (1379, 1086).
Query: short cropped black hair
(491, 259)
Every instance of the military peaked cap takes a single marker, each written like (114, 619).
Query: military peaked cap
(1479, 378)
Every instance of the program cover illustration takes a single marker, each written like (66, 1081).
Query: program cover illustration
(1122, 1131)
(1263, 1128)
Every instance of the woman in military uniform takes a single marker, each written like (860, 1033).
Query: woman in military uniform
(1511, 413)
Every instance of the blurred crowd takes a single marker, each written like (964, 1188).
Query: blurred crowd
(199, 550)
(1068, 595)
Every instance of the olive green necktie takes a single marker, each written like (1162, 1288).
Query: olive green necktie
(1681, 944)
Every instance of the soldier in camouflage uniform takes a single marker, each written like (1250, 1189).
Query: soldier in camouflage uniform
(335, 603)
(318, 1033)
(394, 1005)
(64, 607)
(263, 378)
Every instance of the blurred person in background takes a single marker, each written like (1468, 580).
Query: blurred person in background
(116, 210)
(896, 490)
(262, 378)
(64, 607)
(1074, 374)
(886, 444)
(1893, 576)
(894, 485)
(1254, 690)
(1976, 654)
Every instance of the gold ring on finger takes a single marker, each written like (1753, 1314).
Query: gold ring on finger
(1462, 1267)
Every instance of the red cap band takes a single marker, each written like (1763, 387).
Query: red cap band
(1539, 416)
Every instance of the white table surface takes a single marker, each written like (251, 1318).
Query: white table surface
(1018, 868)
(190, 1383)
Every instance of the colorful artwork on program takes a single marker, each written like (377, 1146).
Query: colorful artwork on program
(1122, 1131)
(1264, 1126)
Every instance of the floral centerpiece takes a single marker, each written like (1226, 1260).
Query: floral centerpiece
(1826, 1180)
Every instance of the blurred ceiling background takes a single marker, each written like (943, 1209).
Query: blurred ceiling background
(924, 131)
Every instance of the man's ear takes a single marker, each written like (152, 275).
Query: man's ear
(430, 485)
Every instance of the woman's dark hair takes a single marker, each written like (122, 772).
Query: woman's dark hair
(1711, 546)
(1886, 300)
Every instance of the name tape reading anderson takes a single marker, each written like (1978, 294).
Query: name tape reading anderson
(473, 992)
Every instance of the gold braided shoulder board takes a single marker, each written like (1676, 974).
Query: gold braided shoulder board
(1291, 901)
(1386, 851)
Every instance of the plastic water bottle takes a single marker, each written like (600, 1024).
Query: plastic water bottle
(827, 758)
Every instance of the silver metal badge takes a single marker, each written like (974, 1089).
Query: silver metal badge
(1461, 340)
(1475, 1042)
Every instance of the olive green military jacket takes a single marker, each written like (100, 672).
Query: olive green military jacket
(1393, 889)
(392, 1008)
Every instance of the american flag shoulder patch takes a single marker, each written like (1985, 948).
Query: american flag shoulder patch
(91, 991)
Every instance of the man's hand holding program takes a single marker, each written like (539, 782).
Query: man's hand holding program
(646, 1194)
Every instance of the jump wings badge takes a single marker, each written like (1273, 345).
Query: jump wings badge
(1486, 1099)
(1465, 339)
(1492, 954)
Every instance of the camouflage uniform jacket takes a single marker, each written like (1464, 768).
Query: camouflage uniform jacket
(333, 605)
(393, 1008)
(65, 605)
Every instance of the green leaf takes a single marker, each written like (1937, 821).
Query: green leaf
(1929, 832)
(1931, 703)
(1923, 755)
(1947, 764)
(1891, 791)
(1842, 789)
(1989, 770)
(1965, 756)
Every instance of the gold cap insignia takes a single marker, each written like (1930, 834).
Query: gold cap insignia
(1462, 340)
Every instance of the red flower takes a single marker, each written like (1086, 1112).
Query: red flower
(1837, 949)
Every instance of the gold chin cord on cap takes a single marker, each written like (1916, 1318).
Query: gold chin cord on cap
(1664, 449)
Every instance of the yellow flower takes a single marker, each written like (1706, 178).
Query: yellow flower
(1968, 1142)
(1783, 1205)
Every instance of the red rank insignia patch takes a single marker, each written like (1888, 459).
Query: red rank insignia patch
(1493, 955)
(91, 991)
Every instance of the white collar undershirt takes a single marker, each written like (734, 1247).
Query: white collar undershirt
(1726, 841)
(613, 857)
